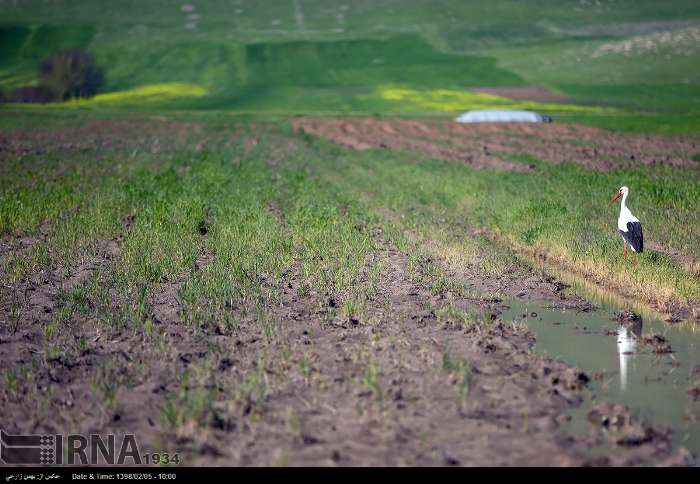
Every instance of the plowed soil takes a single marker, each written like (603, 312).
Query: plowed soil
(98, 136)
(411, 388)
(492, 145)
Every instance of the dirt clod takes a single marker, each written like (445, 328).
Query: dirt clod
(656, 343)
(625, 430)
(628, 316)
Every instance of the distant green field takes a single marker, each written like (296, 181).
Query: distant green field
(335, 57)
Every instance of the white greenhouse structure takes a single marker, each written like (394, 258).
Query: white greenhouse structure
(502, 116)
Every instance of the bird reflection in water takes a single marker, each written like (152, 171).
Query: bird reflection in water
(627, 335)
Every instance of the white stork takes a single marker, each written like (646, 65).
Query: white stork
(629, 226)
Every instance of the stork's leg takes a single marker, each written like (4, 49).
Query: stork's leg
(634, 257)
(625, 252)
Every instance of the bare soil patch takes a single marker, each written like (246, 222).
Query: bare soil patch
(415, 136)
(490, 145)
(15, 245)
(103, 136)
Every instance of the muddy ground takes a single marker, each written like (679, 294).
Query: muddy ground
(414, 386)
(493, 144)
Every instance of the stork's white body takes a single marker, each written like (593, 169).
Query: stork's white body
(629, 226)
(625, 218)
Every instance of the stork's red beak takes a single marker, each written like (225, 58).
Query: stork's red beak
(619, 194)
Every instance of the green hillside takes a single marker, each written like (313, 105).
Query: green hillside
(302, 56)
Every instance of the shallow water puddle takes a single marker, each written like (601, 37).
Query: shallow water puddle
(627, 363)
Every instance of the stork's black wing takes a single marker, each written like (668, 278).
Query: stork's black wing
(634, 236)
